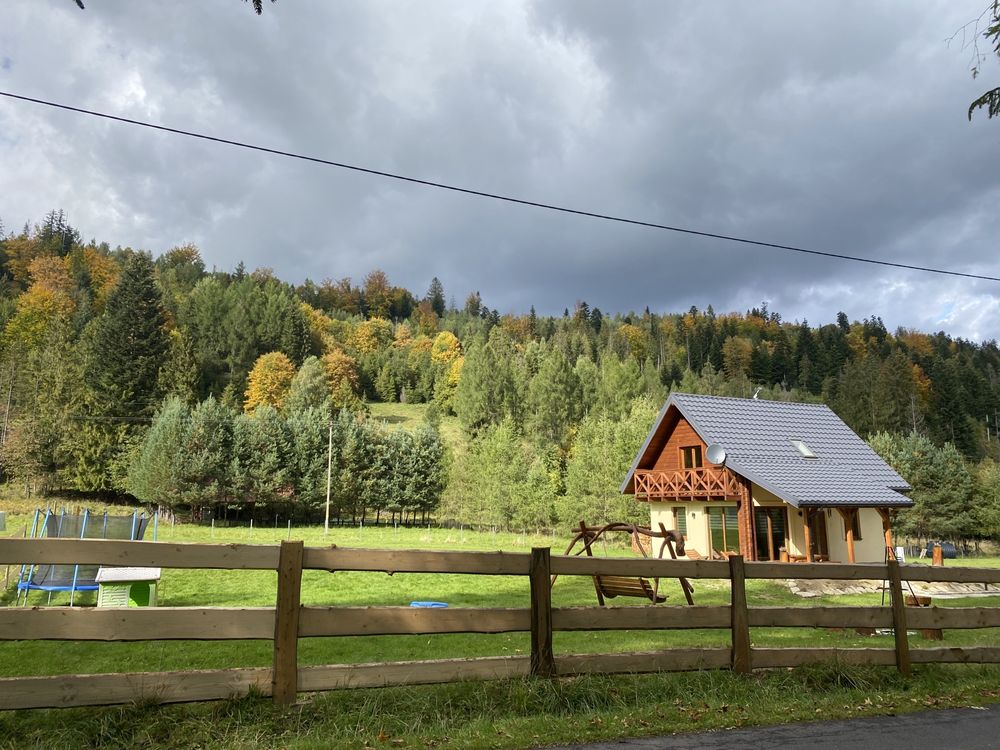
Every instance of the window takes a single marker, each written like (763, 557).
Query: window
(802, 448)
(855, 526)
(691, 457)
(680, 520)
(725, 529)
(770, 532)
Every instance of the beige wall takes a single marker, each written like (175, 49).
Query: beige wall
(871, 546)
(698, 536)
(699, 533)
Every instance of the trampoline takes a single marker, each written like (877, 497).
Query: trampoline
(74, 578)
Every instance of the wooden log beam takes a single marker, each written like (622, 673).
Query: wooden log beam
(342, 621)
(65, 691)
(808, 533)
(795, 657)
(540, 579)
(834, 571)
(138, 554)
(645, 567)
(740, 620)
(136, 623)
(348, 676)
(415, 561)
(640, 618)
(670, 660)
(820, 617)
(286, 624)
(899, 618)
(849, 514)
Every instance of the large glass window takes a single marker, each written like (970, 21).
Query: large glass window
(770, 532)
(725, 529)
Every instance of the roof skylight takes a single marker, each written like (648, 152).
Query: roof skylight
(802, 448)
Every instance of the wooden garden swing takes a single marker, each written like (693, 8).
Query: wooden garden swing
(609, 587)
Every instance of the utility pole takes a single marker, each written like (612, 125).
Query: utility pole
(329, 468)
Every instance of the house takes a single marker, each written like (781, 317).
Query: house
(769, 480)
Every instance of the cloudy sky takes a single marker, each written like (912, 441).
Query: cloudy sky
(835, 126)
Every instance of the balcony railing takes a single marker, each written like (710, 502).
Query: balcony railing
(687, 484)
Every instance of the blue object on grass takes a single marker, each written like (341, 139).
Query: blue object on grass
(435, 605)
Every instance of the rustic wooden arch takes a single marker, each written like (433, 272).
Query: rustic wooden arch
(609, 587)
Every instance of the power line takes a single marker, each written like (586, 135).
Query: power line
(499, 197)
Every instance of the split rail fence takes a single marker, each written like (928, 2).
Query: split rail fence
(288, 621)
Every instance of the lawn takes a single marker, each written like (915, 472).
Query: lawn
(504, 715)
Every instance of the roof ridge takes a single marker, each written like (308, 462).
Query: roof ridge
(683, 394)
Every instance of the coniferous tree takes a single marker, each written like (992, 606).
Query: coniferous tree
(309, 388)
(554, 399)
(130, 345)
(435, 295)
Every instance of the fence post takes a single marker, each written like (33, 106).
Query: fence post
(740, 616)
(285, 677)
(540, 577)
(899, 617)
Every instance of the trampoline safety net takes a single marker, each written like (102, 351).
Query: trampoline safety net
(81, 526)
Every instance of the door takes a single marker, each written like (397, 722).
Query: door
(817, 533)
(770, 531)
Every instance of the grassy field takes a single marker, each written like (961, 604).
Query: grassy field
(517, 713)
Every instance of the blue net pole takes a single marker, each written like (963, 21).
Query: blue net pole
(131, 534)
(20, 577)
(76, 568)
(156, 522)
(104, 532)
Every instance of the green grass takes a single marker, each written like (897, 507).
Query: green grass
(411, 416)
(509, 714)
(515, 713)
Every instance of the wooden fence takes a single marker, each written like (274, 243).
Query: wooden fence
(288, 621)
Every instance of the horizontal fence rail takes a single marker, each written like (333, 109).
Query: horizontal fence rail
(288, 621)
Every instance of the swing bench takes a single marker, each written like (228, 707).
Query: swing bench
(611, 586)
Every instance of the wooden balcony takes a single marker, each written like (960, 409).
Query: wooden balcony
(687, 484)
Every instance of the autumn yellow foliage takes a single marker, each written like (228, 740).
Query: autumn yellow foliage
(372, 335)
(341, 372)
(269, 381)
(446, 348)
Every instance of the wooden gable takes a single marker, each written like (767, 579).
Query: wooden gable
(682, 435)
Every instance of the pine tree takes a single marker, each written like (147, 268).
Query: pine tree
(554, 399)
(130, 345)
(435, 295)
(156, 475)
(310, 388)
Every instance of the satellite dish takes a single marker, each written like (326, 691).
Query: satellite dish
(715, 454)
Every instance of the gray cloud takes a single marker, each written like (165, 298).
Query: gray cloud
(838, 127)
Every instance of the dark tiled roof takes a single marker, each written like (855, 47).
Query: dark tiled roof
(757, 436)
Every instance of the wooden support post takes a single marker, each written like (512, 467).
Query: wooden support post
(808, 534)
(284, 680)
(770, 537)
(899, 617)
(745, 521)
(740, 616)
(937, 556)
(543, 662)
(849, 514)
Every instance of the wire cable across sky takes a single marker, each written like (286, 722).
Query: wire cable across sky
(499, 197)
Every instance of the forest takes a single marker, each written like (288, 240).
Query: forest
(129, 374)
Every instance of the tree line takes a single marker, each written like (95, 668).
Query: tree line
(108, 352)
